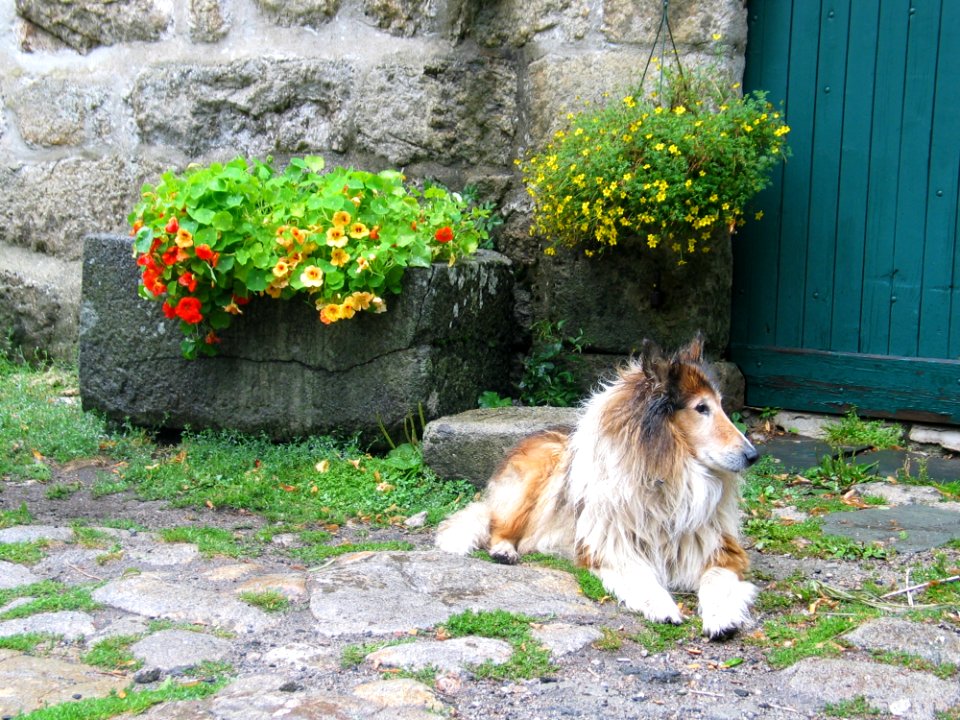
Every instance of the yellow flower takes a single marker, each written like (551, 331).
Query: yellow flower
(339, 257)
(652, 240)
(362, 300)
(233, 308)
(330, 313)
(550, 251)
(274, 290)
(184, 238)
(336, 237)
(312, 276)
(281, 269)
(759, 215)
(358, 230)
(782, 130)
(341, 218)
(717, 36)
(679, 110)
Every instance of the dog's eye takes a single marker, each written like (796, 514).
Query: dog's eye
(702, 408)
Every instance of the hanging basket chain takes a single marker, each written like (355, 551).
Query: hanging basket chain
(661, 37)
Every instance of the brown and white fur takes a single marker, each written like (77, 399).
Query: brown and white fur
(644, 492)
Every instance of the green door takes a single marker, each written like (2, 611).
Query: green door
(847, 290)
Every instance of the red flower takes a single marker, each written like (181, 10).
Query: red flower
(188, 310)
(151, 281)
(168, 310)
(444, 234)
(205, 253)
(241, 300)
(174, 255)
(211, 338)
(188, 281)
(172, 226)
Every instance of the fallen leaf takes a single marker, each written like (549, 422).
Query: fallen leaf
(209, 505)
(287, 488)
(385, 487)
(322, 466)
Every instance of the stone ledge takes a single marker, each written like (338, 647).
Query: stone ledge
(471, 444)
(281, 372)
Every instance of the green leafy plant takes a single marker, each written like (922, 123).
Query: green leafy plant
(529, 659)
(852, 430)
(270, 601)
(491, 399)
(670, 167)
(212, 238)
(551, 369)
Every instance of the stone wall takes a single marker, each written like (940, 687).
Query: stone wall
(100, 96)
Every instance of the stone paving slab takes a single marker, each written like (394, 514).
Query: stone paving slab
(13, 575)
(174, 650)
(454, 655)
(27, 683)
(888, 634)
(916, 695)
(907, 528)
(70, 624)
(32, 533)
(151, 596)
(398, 591)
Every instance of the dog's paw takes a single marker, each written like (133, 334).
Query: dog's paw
(725, 603)
(656, 607)
(505, 553)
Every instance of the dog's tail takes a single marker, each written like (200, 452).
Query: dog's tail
(466, 530)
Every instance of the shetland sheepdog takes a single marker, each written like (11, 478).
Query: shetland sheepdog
(643, 492)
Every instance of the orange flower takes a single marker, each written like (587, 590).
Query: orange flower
(274, 291)
(362, 300)
(336, 237)
(341, 218)
(233, 308)
(330, 314)
(339, 257)
(205, 253)
(444, 234)
(281, 269)
(347, 311)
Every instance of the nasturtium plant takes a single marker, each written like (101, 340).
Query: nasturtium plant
(210, 239)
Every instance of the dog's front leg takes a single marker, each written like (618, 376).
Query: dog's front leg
(639, 590)
(725, 602)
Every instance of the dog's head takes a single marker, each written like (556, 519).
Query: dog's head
(682, 403)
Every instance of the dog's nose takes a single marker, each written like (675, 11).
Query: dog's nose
(750, 454)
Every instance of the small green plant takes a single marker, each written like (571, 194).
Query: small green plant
(210, 239)
(551, 370)
(670, 167)
(61, 491)
(851, 430)
(317, 553)
(610, 640)
(269, 601)
(491, 399)
(590, 584)
(657, 637)
(529, 659)
(858, 707)
(20, 516)
(113, 653)
(89, 537)
(209, 540)
(353, 655)
(29, 643)
(24, 553)
(47, 596)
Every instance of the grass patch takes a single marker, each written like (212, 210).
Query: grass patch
(91, 538)
(20, 516)
(852, 430)
(858, 707)
(529, 659)
(113, 653)
(610, 640)
(657, 637)
(353, 655)
(29, 643)
(133, 702)
(317, 553)
(24, 553)
(47, 596)
(269, 601)
(61, 491)
(944, 671)
(209, 540)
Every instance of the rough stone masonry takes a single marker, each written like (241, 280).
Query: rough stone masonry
(99, 97)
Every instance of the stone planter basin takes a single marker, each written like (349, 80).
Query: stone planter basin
(280, 371)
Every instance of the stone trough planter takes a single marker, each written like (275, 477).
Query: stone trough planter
(280, 371)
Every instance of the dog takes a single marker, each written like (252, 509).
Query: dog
(644, 492)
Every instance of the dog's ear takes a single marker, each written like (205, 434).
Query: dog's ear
(656, 366)
(692, 353)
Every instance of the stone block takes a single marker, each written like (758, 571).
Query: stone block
(631, 293)
(258, 106)
(442, 342)
(293, 13)
(457, 107)
(59, 111)
(86, 24)
(471, 444)
(519, 22)
(692, 22)
(39, 298)
(408, 18)
(208, 21)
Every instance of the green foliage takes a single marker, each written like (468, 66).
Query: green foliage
(353, 655)
(269, 601)
(858, 707)
(658, 637)
(209, 540)
(20, 516)
(529, 659)
(131, 702)
(113, 653)
(551, 369)
(23, 553)
(46, 596)
(851, 430)
(610, 640)
(491, 399)
(29, 643)
(317, 553)
(61, 491)
(794, 636)
(670, 168)
(211, 238)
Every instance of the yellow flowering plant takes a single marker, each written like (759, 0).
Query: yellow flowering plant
(669, 167)
(210, 239)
